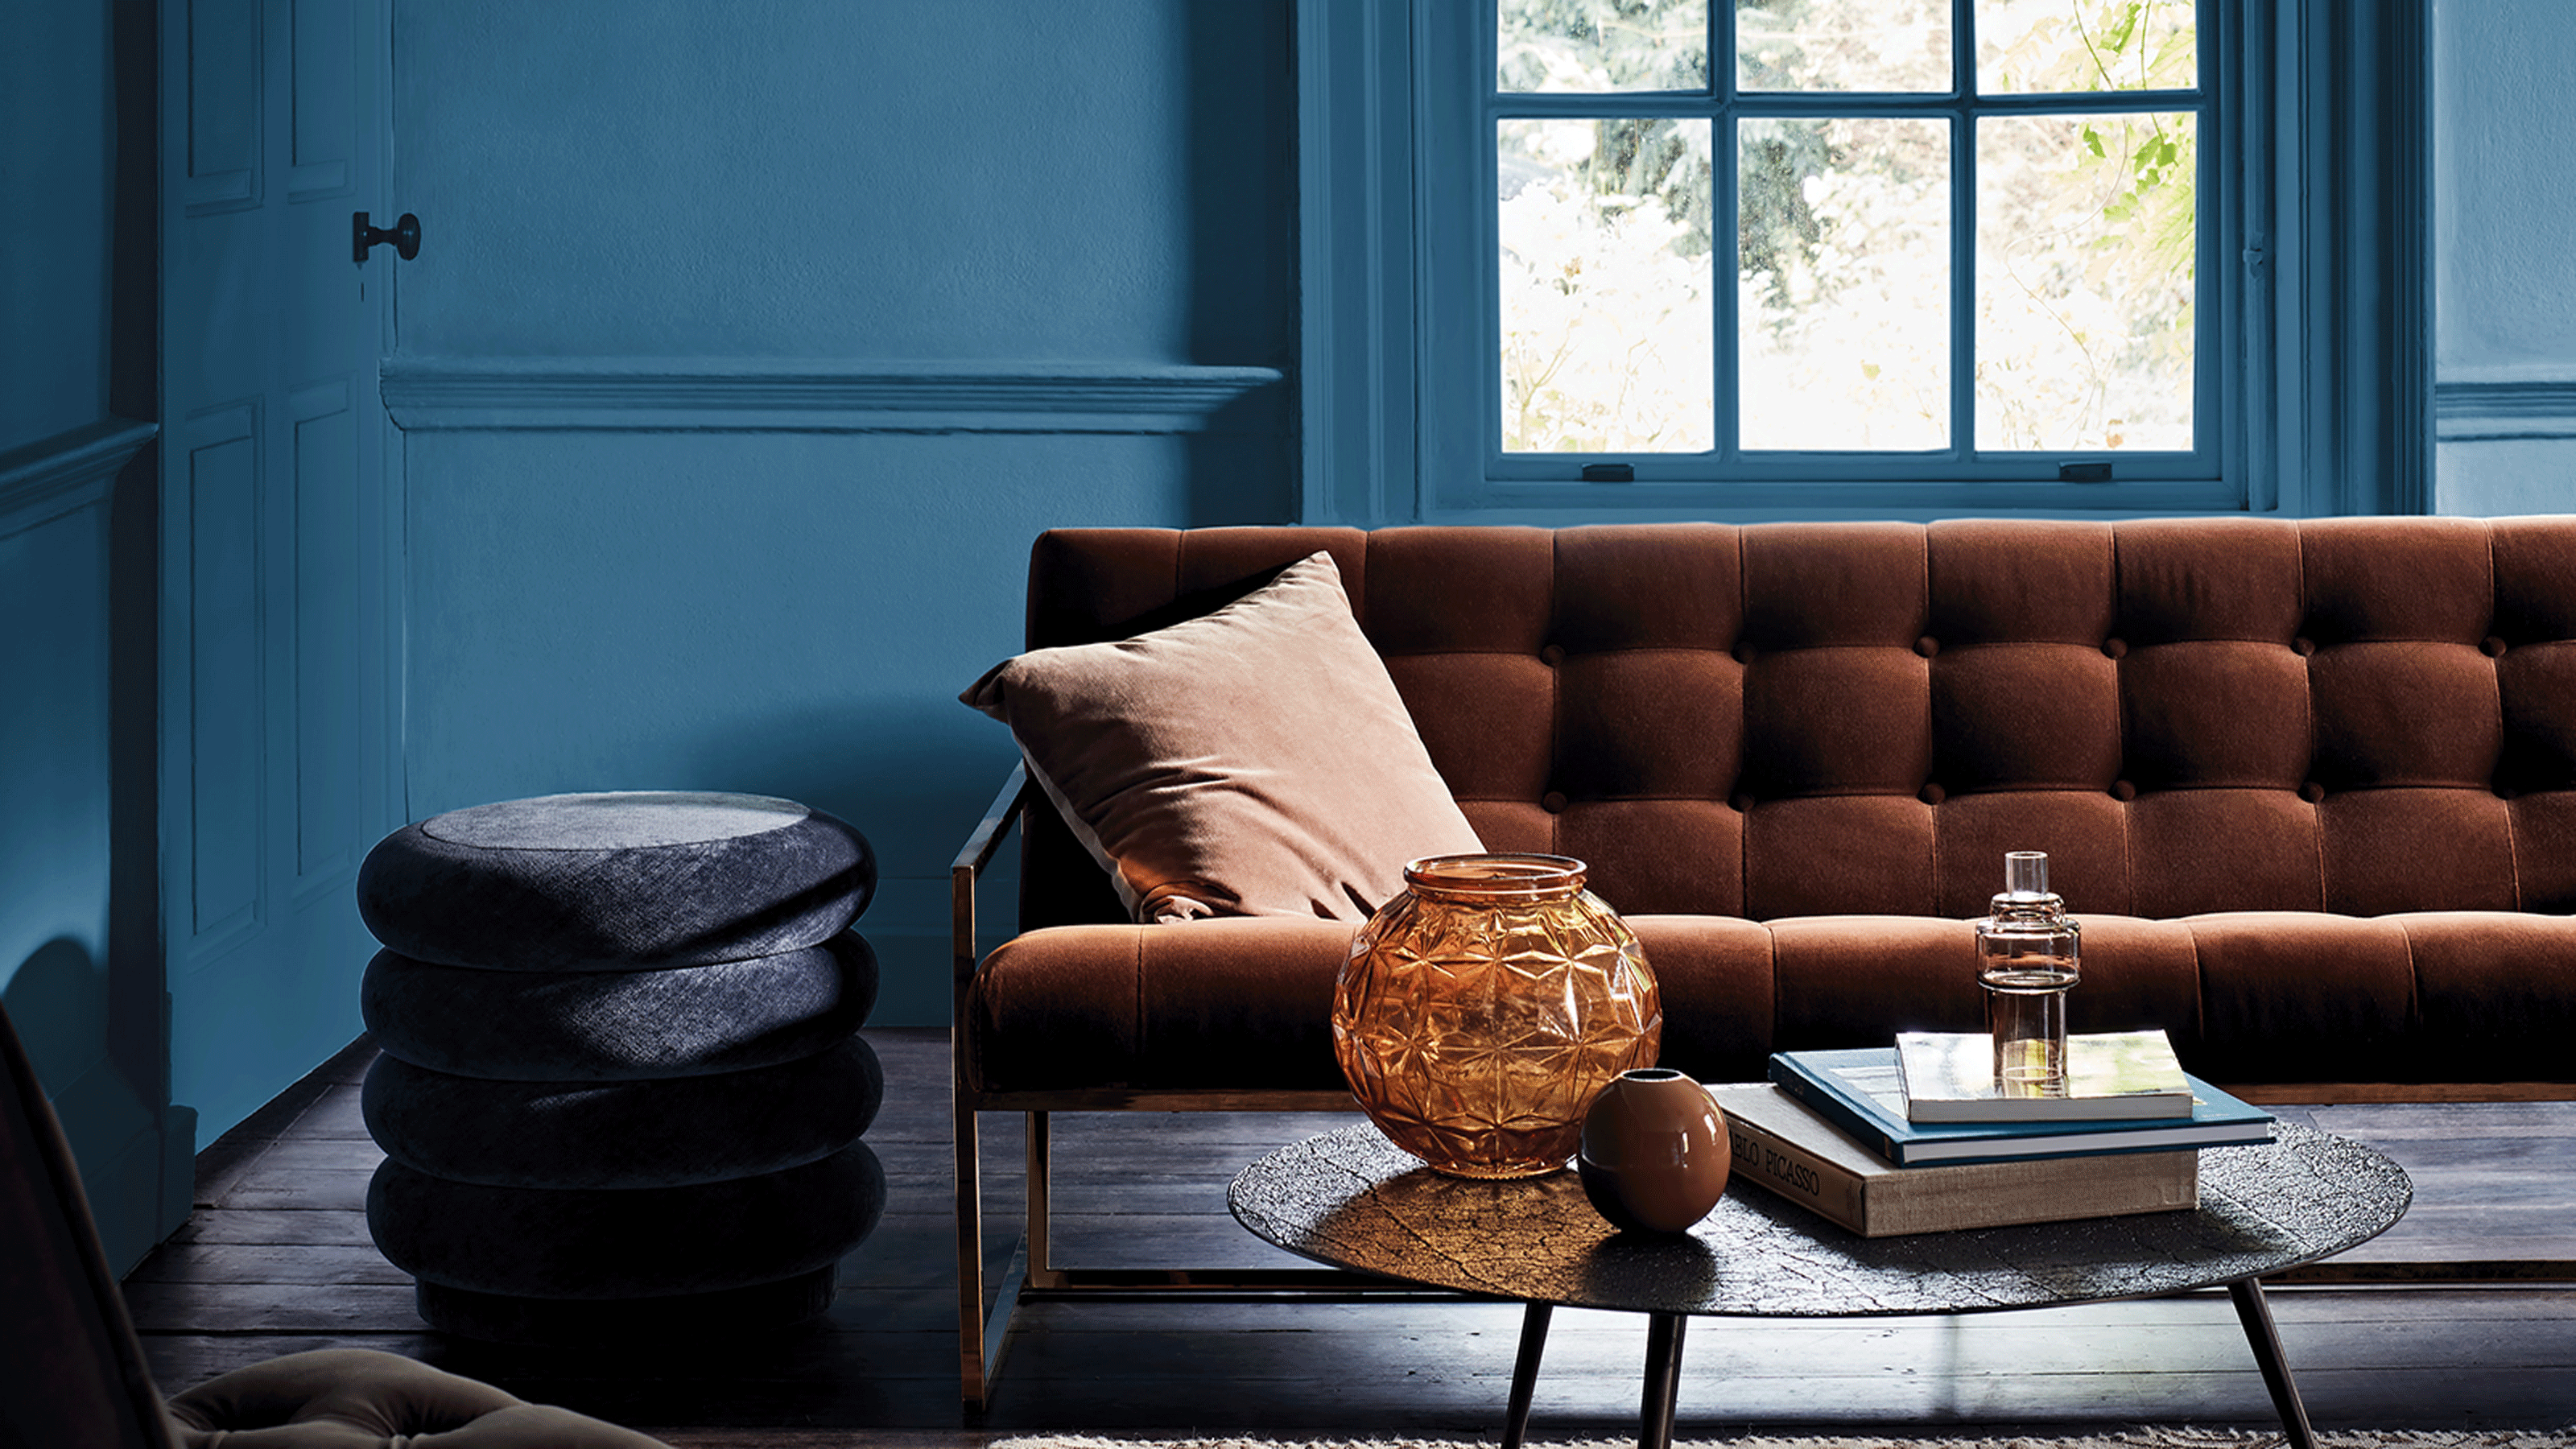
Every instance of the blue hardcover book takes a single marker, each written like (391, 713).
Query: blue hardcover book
(1860, 1091)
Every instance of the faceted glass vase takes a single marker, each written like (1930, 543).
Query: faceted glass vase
(1481, 1011)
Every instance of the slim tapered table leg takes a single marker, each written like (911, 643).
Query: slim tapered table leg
(2257, 1318)
(1525, 1373)
(1663, 1380)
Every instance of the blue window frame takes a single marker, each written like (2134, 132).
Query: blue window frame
(2308, 378)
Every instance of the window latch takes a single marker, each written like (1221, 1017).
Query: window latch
(1609, 473)
(2083, 472)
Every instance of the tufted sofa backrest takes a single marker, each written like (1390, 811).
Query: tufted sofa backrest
(2359, 716)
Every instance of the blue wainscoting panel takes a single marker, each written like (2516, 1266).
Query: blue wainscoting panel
(54, 774)
(55, 793)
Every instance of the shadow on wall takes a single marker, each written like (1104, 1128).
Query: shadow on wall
(134, 1154)
(1243, 468)
(1241, 174)
(58, 998)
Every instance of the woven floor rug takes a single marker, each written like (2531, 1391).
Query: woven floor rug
(2132, 1439)
(2143, 1438)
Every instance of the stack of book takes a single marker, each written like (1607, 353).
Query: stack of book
(1917, 1138)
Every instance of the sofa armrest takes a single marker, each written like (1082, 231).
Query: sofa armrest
(972, 858)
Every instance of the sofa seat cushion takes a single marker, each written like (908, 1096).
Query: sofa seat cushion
(2425, 996)
(2247, 997)
(357, 1398)
(1245, 1003)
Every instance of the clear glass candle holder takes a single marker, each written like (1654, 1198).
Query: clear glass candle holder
(2027, 960)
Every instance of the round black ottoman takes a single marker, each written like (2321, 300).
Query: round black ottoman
(620, 1086)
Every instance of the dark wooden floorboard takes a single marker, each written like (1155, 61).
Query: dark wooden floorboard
(277, 1259)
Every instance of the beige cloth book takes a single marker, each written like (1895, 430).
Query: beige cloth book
(1783, 1147)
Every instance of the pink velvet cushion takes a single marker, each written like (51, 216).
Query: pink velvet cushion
(1254, 761)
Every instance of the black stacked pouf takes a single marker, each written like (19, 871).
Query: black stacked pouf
(621, 1088)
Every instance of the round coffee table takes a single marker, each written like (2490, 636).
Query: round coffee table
(1355, 1200)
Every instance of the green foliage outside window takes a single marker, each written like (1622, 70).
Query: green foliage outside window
(2086, 229)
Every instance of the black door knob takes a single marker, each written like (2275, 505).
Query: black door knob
(404, 234)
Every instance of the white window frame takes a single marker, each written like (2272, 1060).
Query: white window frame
(2317, 391)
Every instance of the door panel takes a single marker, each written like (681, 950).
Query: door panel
(222, 74)
(323, 91)
(226, 734)
(278, 590)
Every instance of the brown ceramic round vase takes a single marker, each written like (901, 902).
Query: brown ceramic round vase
(1655, 1152)
(1480, 1012)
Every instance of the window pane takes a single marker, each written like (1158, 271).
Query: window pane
(1843, 271)
(1842, 45)
(1601, 45)
(2085, 267)
(1607, 313)
(2040, 46)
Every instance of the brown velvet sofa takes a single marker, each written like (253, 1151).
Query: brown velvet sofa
(2310, 787)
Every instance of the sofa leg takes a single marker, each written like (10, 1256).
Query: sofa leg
(970, 1253)
(981, 1334)
(1043, 1273)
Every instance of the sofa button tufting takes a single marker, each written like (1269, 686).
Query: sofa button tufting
(1740, 802)
(1741, 654)
(2303, 646)
(2312, 792)
(2123, 791)
(2492, 647)
(2115, 648)
(1933, 794)
(1927, 646)
(1551, 655)
(1553, 802)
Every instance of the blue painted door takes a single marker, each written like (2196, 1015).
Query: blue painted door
(278, 616)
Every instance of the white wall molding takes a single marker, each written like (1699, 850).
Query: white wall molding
(798, 395)
(2504, 410)
(64, 473)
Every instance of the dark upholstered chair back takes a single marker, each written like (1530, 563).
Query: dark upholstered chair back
(2360, 716)
(72, 1372)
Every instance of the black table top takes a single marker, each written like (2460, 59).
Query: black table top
(1353, 1199)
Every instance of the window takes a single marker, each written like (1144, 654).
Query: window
(1721, 258)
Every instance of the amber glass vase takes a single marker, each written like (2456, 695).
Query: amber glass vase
(1481, 1012)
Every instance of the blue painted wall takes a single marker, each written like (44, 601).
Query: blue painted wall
(77, 968)
(987, 183)
(56, 144)
(2505, 277)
